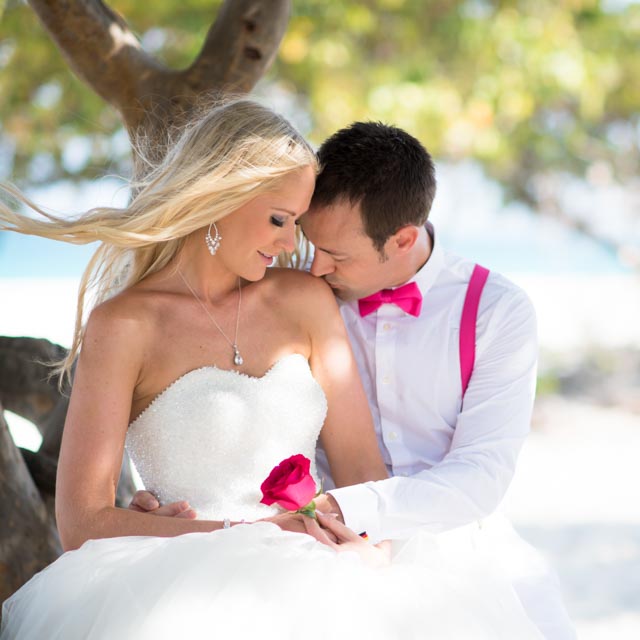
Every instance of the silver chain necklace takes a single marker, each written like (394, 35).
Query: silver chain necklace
(237, 358)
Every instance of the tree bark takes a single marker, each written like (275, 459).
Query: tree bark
(29, 540)
(28, 389)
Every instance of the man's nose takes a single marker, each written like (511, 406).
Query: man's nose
(322, 264)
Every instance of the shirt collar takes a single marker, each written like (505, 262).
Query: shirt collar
(427, 275)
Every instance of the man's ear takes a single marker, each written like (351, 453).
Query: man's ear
(403, 240)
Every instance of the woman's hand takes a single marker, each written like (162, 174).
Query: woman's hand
(298, 523)
(374, 555)
(146, 502)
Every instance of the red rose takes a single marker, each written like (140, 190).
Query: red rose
(290, 484)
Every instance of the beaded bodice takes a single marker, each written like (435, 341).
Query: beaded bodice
(213, 436)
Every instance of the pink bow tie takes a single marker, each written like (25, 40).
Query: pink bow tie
(407, 297)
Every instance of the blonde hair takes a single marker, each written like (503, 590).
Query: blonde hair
(228, 153)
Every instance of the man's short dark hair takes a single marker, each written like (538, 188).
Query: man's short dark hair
(382, 168)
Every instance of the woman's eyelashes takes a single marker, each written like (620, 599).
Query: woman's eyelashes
(279, 221)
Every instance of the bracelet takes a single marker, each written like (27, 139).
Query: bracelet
(226, 523)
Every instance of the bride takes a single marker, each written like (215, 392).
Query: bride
(211, 368)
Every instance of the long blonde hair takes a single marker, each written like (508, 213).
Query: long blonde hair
(228, 153)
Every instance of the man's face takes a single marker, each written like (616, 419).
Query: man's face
(344, 255)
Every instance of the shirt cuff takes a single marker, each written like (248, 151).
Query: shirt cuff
(359, 506)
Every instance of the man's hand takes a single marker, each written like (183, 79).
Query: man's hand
(374, 555)
(326, 503)
(146, 502)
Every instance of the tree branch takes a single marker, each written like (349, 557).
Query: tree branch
(26, 386)
(27, 389)
(240, 46)
(105, 53)
(99, 47)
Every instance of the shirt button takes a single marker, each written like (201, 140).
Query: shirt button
(386, 379)
(393, 435)
(387, 326)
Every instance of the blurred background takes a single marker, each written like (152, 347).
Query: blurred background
(531, 110)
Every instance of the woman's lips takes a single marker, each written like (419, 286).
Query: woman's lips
(268, 259)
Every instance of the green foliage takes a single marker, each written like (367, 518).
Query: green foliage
(523, 86)
(548, 384)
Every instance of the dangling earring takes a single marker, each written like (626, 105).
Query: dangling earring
(213, 244)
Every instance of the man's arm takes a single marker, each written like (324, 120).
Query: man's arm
(471, 480)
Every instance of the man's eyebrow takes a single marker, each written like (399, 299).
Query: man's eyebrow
(331, 253)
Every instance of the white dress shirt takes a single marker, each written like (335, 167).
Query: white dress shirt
(451, 461)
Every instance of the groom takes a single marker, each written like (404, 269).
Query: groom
(446, 351)
(451, 393)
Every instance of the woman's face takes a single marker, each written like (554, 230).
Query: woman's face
(256, 233)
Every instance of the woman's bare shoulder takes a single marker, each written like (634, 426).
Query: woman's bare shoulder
(300, 288)
(127, 321)
(131, 306)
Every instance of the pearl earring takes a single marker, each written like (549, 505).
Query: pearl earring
(213, 244)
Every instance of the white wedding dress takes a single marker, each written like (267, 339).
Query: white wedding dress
(211, 438)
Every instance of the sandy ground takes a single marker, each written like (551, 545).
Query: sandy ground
(576, 497)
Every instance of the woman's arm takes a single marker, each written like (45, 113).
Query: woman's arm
(107, 373)
(348, 436)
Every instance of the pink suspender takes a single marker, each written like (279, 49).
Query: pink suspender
(468, 324)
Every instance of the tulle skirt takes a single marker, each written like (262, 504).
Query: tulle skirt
(256, 581)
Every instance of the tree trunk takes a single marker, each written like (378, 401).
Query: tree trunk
(29, 540)
(28, 388)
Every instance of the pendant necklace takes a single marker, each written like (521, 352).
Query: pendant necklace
(237, 358)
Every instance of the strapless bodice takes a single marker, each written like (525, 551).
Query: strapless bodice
(213, 436)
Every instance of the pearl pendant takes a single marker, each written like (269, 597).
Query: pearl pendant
(237, 358)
